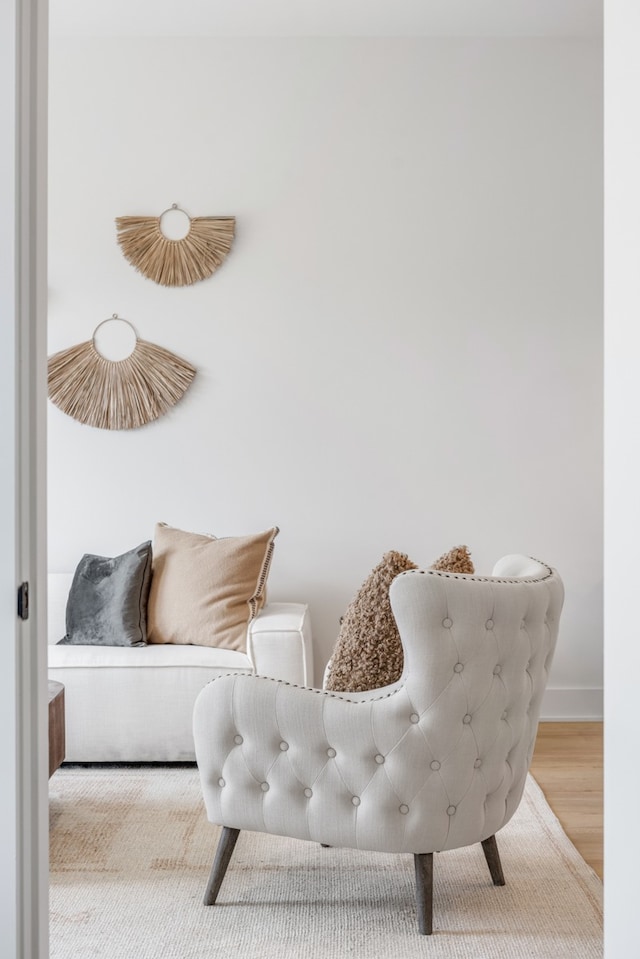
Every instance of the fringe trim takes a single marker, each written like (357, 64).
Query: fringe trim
(175, 262)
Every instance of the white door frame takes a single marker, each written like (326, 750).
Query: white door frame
(24, 866)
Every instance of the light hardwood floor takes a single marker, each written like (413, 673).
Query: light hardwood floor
(567, 765)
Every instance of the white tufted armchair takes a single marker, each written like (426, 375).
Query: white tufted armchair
(434, 762)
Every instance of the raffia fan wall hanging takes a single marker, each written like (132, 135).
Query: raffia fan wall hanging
(117, 394)
(175, 262)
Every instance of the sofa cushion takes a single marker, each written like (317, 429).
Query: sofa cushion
(368, 653)
(147, 657)
(204, 590)
(107, 604)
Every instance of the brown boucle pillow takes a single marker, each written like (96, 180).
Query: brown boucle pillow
(457, 560)
(368, 652)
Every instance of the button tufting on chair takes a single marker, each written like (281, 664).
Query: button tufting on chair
(238, 740)
(479, 803)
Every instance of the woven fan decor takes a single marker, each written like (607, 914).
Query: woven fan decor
(117, 394)
(175, 262)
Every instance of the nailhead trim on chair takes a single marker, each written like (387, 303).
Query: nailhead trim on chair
(481, 579)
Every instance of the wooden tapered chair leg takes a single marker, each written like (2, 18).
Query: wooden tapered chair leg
(424, 891)
(224, 852)
(491, 854)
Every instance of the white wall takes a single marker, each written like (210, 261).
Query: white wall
(403, 350)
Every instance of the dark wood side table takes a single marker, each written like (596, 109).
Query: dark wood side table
(56, 726)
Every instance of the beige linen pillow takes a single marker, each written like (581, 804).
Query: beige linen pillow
(368, 653)
(205, 591)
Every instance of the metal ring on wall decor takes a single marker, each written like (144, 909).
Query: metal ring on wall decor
(174, 208)
(110, 319)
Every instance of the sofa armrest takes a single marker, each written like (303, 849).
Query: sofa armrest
(279, 643)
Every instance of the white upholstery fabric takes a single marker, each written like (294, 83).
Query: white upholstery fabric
(434, 762)
(519, 566)
(135, 704)
(279, 643)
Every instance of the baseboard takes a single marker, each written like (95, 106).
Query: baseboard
(572, 705)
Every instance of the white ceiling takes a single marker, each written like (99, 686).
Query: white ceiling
(502, 18)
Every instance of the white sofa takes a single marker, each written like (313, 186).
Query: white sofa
(135, 704)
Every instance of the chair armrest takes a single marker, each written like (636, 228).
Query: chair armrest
(279, 643)
(289, 760)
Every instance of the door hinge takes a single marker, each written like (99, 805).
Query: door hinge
(23, 601)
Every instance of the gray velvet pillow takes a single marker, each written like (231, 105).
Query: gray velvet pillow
(107, 603)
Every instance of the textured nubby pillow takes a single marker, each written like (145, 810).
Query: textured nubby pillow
(107, 603)
(457, 560)
(368, 653)
(204, 591)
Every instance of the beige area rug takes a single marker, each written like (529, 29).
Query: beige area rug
(131, 851)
